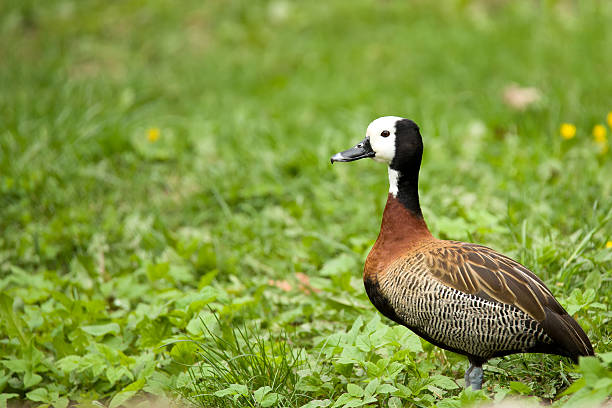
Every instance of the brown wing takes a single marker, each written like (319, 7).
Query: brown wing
(481, 271)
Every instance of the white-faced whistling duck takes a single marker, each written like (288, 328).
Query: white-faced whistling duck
(462, 297)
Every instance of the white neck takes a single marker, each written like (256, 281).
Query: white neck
(393, 178)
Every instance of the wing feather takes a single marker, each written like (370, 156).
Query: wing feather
(475, 268)
(481, 271)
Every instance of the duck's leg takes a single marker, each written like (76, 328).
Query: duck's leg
(473, 376)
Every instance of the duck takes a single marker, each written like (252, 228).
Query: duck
(462, 297)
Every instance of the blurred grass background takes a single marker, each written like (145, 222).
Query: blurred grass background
(197, 136)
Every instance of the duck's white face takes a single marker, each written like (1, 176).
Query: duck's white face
(381, 133)
(392, 140)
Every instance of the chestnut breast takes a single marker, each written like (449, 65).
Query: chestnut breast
(402, 233)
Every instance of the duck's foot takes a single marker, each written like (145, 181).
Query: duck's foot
(473, 377)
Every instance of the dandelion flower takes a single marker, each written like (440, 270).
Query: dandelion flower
(568, 131)
(599, 133)
(609, 119)
(153, 134)
(601, 140)
(609, 244)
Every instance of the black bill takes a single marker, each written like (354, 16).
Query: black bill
(361, 151)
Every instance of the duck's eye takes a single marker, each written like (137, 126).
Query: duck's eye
(385, 133)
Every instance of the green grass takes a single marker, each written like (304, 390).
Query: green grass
(113, 248)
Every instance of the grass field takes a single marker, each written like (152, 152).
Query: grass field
(165, 176)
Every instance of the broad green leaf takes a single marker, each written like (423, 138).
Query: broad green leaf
(114, 374)
(606, 357)
(145, 365)
(592, 369)
(102, 329)
(33, 317)
(309, 382)
(30, 379)
(12, 322)
(588, 398)
(4, 378)
(412, 342)
(61, 402)
(368, 400)
(520, 388)
(183, 380)
(351, 354)
(352, 334)
(469, 396)
(345, 399)
(370, 389)
(576, 386)
(69, 364)
(379, 337)
(135, 386)
(16, 365)
(449, 403)
(184, 352)
(225, 392)
(158, 383)
(499, 393)
(181, 273)
(372, 369)
(317, 404)
(395, 402)
(126, 393)
(354, 402)
(363, 343)
(269, 400)
(394, 369)
(200, 300)
(444, 382)
(383, 363)
(354, 390)
(197, 325)
(32, 355)
(385, 389)
(121, 398)
(261, 392)
(374, 324)
(38, 395)
(603, 383)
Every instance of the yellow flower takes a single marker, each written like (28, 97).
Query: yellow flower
(568, 131)
(599, 133)
(609, 119)
(153, 134)
(609, 244)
